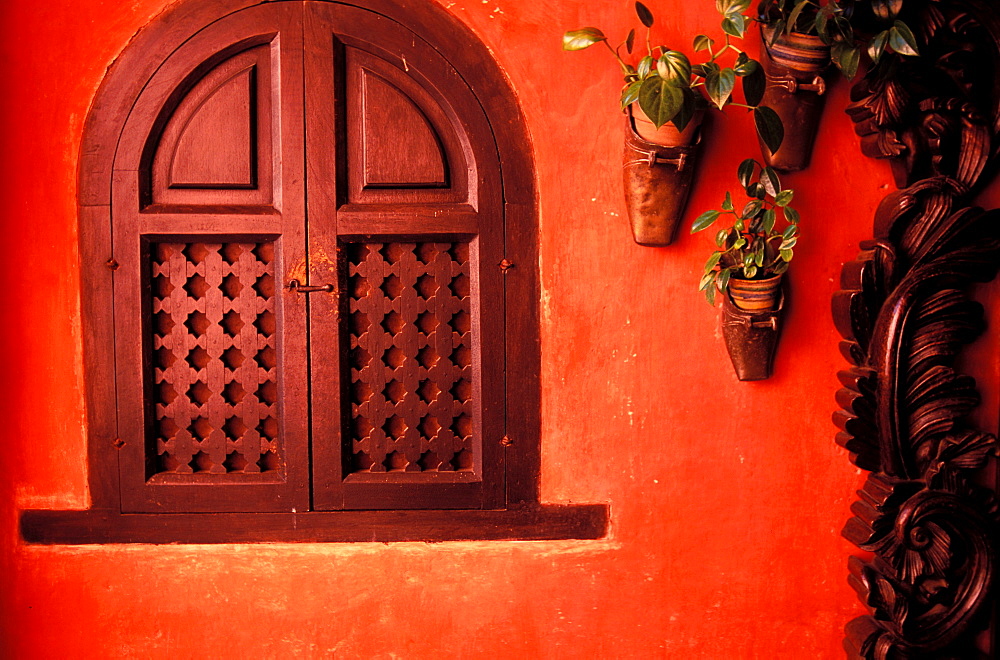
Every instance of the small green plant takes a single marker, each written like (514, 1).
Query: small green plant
(668, 88)
(832, 22)
(755, 245)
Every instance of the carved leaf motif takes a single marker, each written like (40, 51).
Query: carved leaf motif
(894, 606)
(888, 102)
(905, 316)
(967, 451)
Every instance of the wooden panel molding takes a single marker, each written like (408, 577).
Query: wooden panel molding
(393, 123)
(227, 115)
(906, 313)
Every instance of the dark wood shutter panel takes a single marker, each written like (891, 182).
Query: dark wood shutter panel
(308, 220)
(210, 346)
(408, 194)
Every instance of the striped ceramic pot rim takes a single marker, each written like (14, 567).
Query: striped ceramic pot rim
(755, 295)
(801, 52)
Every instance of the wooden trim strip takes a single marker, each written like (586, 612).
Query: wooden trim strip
(545, 522)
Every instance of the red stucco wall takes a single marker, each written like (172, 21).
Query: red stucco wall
(727, 498)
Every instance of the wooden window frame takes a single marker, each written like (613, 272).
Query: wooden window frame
(522, 517)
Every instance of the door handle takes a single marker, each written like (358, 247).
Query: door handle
(294, 285)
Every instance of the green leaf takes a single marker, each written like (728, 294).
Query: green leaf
(778, 28)
(841, 29)
(687, 109)
(645, 66)
(788, 243)
(822, 19)
(720, 86)
(790, 231)
(630, 41)
(769, 179)
(846, 57)
(709, 67)
(877, 45)
(734, 25)
(791, 215)
(752, 208)
(754, 84)
(786, 255)
(701, 42)
(713, 260)
(710, 295)
(674, 65)
(726, 7)
(886, 9)
(758, 255)
(722, 282)
(732, 238)
(769, 217)
(745, 66)
(644, 14)
(779, 268)
(769, 127)
(756, 189)
(745, 171)
(750, 271)
(727, 204)
(784, 197)
(740, 242)
(705, 220)
(582, 38)
(706, 280)
(660, 100)
(902, 40)
(720, 237)
(793, 18)
(630, 94)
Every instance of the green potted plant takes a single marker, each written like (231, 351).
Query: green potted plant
(664, 97)
(752, 253)
(801, 39)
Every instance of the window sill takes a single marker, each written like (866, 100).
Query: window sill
(535, 523)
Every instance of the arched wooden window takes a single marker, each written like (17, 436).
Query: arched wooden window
(317, 288)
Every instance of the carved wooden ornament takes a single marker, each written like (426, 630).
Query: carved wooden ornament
(905, 314)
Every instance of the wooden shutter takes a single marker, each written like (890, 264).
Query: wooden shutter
(308, 226)
(208, 216)
(405, 217)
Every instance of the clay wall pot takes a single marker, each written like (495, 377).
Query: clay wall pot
(751, 336)
(658, 175)
(755, 295)
(796, 91)
(666, 135)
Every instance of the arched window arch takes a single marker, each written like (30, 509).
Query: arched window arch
(309, 249)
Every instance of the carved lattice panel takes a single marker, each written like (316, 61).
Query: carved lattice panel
(410, 338)
(214, 359)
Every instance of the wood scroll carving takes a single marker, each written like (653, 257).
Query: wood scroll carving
(905, 312)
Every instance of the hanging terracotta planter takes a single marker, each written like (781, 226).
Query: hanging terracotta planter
(658, 168)
(751, 323)
(755, 295)
(796, 91)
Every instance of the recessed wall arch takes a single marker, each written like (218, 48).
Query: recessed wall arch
(122, 174)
